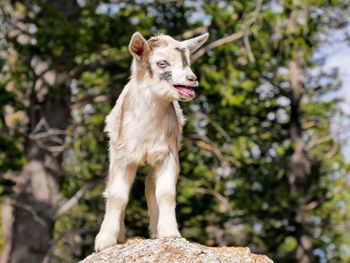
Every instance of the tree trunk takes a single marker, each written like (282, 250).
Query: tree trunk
(300, 166)
(36, 192)
(31, 210)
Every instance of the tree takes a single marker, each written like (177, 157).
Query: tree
(40, 76)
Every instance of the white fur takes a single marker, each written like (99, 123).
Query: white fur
(145, 126)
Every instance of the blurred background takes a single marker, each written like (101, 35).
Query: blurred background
(265, 161)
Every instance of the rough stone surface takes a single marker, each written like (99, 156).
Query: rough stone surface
(177, 250)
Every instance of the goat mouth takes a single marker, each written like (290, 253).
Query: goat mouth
(187, 91)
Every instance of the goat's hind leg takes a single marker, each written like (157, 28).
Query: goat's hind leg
(153, 211)
(166, 178)
(121, 236)
(117, 193)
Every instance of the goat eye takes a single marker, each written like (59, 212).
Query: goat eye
(162, 64)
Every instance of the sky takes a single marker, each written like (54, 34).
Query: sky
(337, 51)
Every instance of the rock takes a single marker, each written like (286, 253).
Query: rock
(173, 250)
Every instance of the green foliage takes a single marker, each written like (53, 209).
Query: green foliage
(12, 157)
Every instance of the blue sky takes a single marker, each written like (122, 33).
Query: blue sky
(337, 51)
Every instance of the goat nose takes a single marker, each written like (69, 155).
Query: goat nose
(191, 77)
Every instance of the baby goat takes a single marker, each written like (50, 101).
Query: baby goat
(145, 126)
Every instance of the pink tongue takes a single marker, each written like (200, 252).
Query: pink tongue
(187, 91)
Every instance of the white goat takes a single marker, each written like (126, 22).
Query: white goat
(145, 126)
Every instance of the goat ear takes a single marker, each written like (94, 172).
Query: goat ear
(194, 43)
(138, 46)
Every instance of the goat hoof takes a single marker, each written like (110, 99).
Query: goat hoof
(174, 234)
(104, 240)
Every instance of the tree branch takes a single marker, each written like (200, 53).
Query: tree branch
(327, 138)
(37, 218)
(233, 37)
(74, 200)
(283, 92)
(217, 43)
(246, 27)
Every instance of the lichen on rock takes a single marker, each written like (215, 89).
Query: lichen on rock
(173, 250)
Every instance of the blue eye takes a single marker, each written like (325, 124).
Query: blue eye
(162, 64)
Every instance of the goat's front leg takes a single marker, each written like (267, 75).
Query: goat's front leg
(117, 193)
(166, 173)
